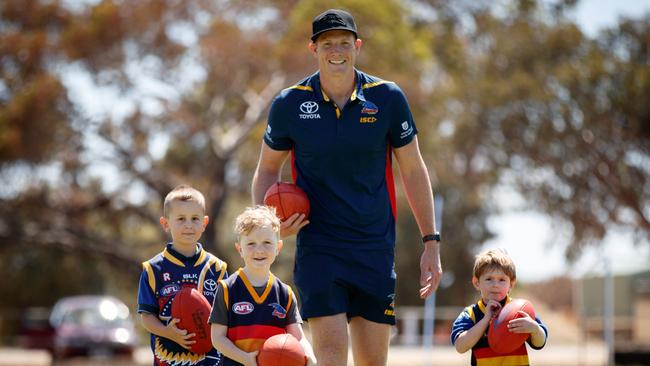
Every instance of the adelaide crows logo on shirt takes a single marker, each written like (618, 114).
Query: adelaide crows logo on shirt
(369, 108)
(278, 310)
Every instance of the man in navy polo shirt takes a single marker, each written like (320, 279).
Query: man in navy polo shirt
(341, 127)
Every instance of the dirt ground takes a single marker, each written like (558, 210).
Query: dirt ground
(590, 354)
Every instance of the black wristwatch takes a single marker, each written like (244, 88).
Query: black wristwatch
(431, 237)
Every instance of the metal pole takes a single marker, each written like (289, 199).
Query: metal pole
(430, 302)
(429, 318)
(578, 294)
(608, 311)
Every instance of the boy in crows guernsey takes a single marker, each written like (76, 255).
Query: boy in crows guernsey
(182, 263)
(252, 304)
(494, 277)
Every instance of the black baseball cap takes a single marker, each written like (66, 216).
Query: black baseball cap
(331, 20)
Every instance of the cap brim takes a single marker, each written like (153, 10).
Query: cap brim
(315, 35)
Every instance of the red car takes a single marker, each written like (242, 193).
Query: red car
(93, 326)
(35, 331)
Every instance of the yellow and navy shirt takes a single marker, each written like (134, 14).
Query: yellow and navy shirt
(253, 317)
(342, 158)
(162, 278)
(482, 354)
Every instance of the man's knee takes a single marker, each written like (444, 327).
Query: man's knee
(369, 342)
(331, 351)
(330, 339)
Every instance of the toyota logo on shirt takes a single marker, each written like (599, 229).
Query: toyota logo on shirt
(309, 107)
(210, 284)
(309, 110)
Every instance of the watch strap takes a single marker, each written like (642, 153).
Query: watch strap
(431, 237)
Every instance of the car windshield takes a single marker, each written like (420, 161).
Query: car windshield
(104, 313)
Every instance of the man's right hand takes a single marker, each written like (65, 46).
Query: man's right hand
(292, 225)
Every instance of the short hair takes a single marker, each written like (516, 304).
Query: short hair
(255, 217)
(493, 259)
(183, 193)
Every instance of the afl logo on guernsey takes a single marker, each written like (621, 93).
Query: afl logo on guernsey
(242, 308)
(309, 110)
(170, 289)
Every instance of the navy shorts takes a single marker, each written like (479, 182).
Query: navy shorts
(355, 282)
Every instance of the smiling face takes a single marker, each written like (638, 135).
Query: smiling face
(336, 51)
(259, 247)
(185, 222)
(494, 284)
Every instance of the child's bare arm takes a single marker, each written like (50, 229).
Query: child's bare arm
(170, 331)
(296, 331)
(224, 345)
(467, 339)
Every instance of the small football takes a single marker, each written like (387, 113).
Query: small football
(500, 339)
(193, 310)
(288, 199)
(281, 350)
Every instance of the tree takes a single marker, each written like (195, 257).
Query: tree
(518, 95)
(528, 100)
(113, 218)
(163, 127)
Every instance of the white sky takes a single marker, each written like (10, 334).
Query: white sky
(526, 235)
(593, 15)
(528, 238)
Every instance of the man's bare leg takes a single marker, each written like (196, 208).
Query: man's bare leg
(330, 339)
(370, 342)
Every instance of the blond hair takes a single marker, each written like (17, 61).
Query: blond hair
(494, 259)
(255, 217)
(183, 193)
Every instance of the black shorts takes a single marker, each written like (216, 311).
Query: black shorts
(355, 282)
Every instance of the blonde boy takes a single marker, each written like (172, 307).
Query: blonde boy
(253, 304)
(494, 277)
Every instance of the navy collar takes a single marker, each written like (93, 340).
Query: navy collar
(181, 257)
(320, 96)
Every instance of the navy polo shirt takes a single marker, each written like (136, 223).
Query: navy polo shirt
(342, 158)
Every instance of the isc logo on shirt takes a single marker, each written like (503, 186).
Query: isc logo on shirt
(367, 119)
(242, 308)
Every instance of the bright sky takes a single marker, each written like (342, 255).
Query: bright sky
(526, 235)
(593, 15)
